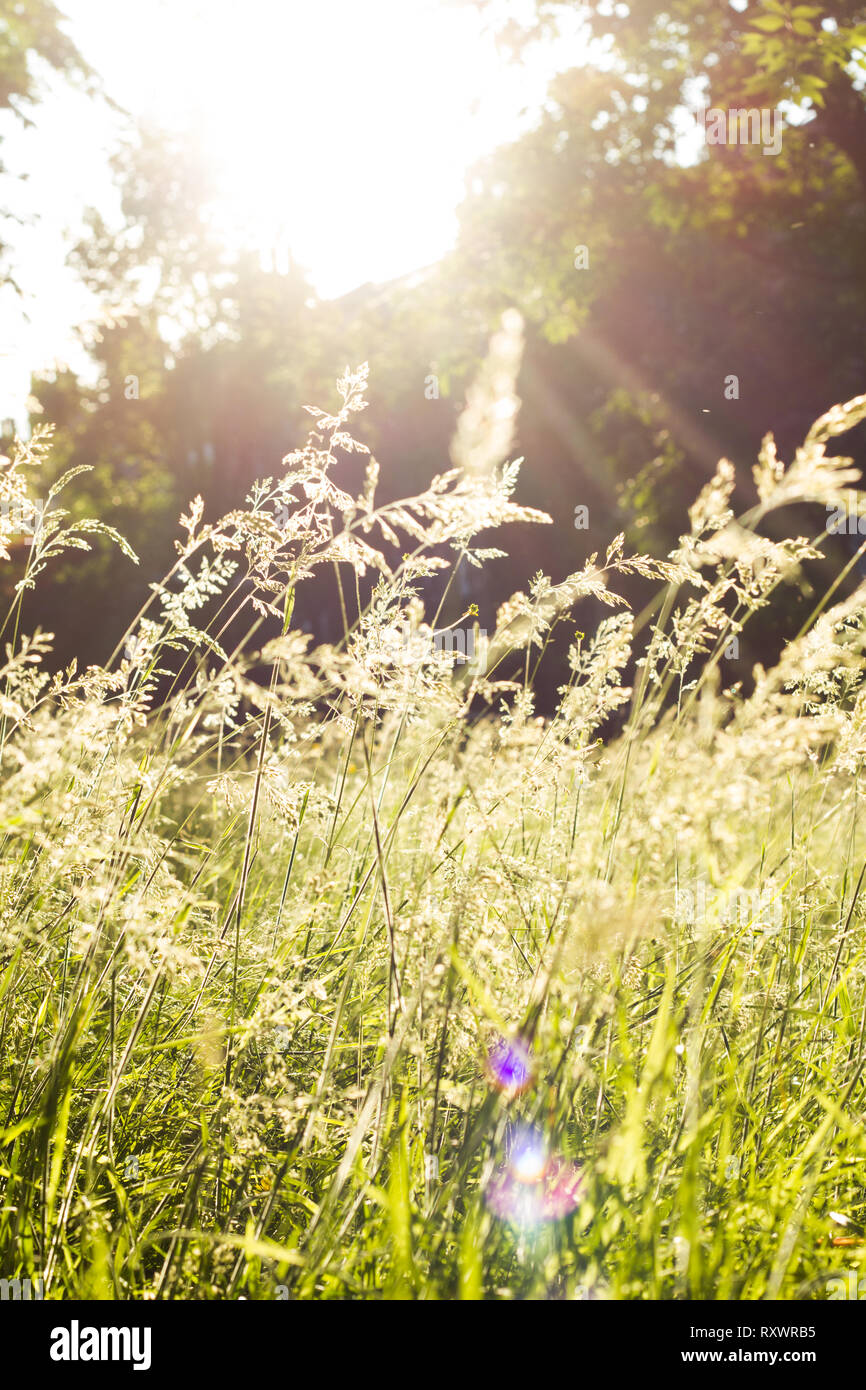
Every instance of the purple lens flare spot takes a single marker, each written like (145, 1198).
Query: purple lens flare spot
(509, 1066)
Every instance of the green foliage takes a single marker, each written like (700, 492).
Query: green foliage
(257, 938)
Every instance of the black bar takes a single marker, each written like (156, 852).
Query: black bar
(277, 1338)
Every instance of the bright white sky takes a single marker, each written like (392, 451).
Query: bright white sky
(342, 129)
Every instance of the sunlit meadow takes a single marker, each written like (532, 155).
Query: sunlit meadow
(339, 972)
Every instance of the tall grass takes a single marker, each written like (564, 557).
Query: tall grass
(298, 957)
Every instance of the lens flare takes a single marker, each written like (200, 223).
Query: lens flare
(509, 1066)
(523, 1203)
(528, 1158)
(532, 1185)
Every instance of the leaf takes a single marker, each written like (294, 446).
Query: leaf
(289, 608)
(768, 23)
